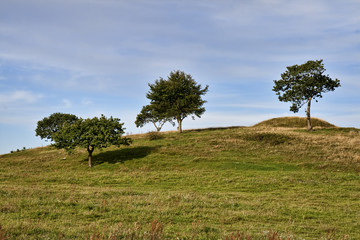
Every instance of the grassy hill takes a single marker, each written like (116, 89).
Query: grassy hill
(267, 183)
(294, 122)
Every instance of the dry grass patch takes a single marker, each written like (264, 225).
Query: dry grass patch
(294, 122)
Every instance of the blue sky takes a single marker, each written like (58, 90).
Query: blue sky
(92, 57)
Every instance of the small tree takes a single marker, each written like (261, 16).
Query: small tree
(177, 97)
(149, 114)
(302, 83)
(91, 133)
(50, 125)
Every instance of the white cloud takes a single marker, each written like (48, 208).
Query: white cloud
(67, 103)
(19, 96)
(86, 102)
(110, 38)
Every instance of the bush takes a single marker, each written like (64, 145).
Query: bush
(154, 135)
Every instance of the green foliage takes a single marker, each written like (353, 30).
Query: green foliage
(90, 134)
(52, 124)
(299, 84)
(149, 114)
(303, 82)
(177, 97)
(97, 132)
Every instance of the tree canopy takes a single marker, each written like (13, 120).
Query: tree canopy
(50, 125)
(299, 84)
(90, 134)
(149, 114)
(177, 97)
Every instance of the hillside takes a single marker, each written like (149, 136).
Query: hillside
(294, 122)
(266, 183)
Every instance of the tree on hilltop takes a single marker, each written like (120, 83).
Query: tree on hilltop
(91, 133)
(149, 114)
(300, 84)
(177, 97)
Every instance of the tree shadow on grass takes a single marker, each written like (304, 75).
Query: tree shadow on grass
(121, 155)
(213, 129)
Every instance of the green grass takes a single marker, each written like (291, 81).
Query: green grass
(202, 184)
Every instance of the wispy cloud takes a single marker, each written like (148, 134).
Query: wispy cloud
(67, 103)
(86, 102)
(19, 96)
(139, 38)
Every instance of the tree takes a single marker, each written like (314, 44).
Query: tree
(91, 133)
(149, 114)
(302, 83)
(50, 125)
(177, 97)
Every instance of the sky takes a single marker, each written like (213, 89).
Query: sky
(93, 57)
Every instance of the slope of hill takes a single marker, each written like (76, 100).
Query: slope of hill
(294, 122)
(204, 184)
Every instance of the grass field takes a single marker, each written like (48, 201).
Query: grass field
(233, 183)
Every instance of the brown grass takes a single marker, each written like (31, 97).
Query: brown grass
(294, 122)
(2, 233)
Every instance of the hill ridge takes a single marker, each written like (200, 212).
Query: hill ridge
(294, 122)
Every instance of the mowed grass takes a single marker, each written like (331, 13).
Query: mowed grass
(236, 183)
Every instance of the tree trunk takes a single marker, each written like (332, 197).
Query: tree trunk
(90, 150)
(179, 120)
(309, 127)
(157, 128)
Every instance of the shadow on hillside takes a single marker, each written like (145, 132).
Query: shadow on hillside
(121, 155)
(213, 128)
